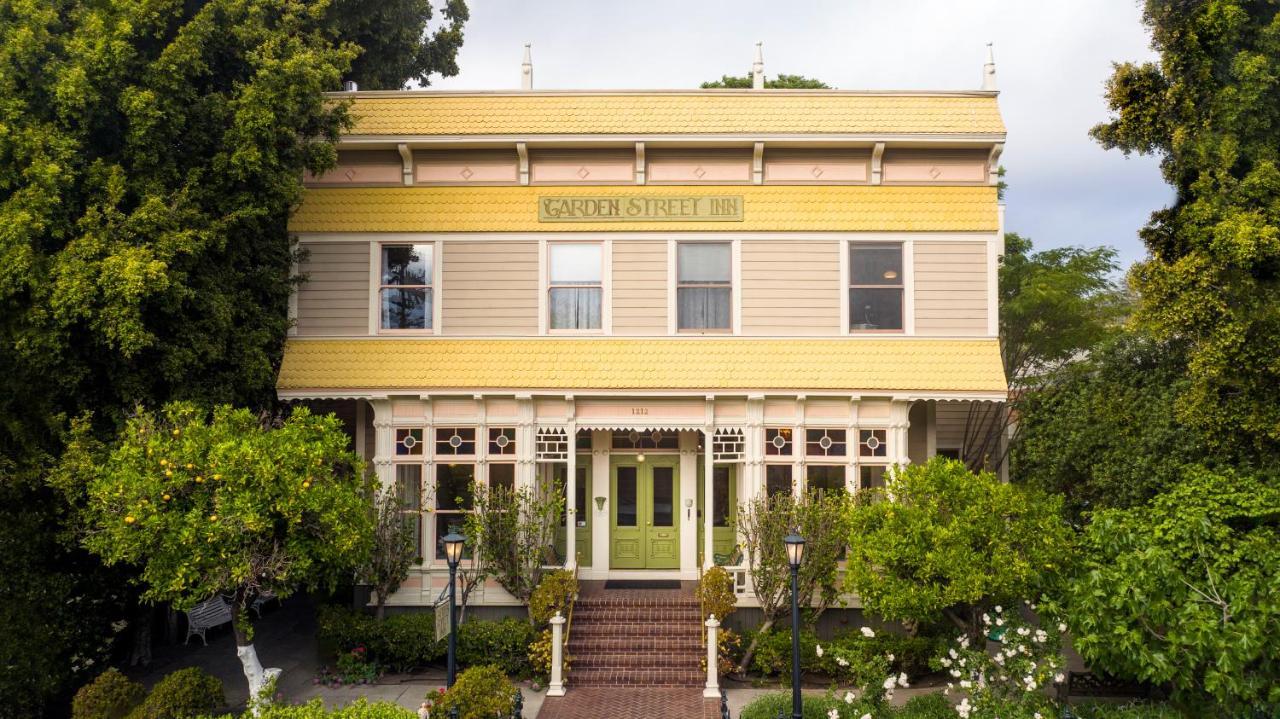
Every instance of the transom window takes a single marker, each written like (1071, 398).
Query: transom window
(825, 442)
(502, 440)
(777, 441)
(456, 440)
(408, 442)
(871, 443)
(656, 439)
(576, 289)
(704, 286)
(875, 287)
(405, 292)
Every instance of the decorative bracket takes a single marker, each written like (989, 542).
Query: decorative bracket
(522, 150)
(406, 162)
(639, 163)
(993, 175)
(757, 164)
(877, 163)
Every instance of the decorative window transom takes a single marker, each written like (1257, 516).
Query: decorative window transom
(871, 443)
(456, 440)
(502, 440)
(728, 445)
(825, 442)
(408, 442)
(551, 445)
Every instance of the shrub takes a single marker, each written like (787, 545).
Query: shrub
(1126, 711)
(770, 705)
(910, 655)
(339, 629)
(553, 594)
(773, 652)
(504, 643)
(111, 695)
(184, 693)
(729, 644)
(927, 706)
(480, 692)
(540, 655)
(404, 641)
(359, 709)
(715, 591)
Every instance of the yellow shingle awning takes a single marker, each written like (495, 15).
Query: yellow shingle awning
(674, 364)
(432, 113)
(766, 208)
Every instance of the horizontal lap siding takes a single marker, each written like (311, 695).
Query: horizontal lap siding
(639, 287)
(490, 288)
(951, 288)
(334, 300)
(790, 287)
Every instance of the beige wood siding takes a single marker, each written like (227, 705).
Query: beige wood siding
(639, 287)
(334, 300)
(951, 288)
(791, 287)
(489, 288)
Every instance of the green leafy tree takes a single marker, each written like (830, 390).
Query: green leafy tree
(940, 540)
(397, 44)
(1186, 591)
(394, 547)
(1055, 305)
(1209, 108)
(514, 531)
(822, 519)
(1102, 431)
(224, 505)
(779, 82)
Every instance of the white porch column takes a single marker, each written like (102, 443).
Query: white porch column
(898, 423)
(526, 439)
(571, 497)
(708, 472)
(383, 442)
(712, 690)
(753, 482)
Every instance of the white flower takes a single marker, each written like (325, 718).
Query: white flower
(1059, 678)
(964, 642)
(1041, 636)
(986, 619)
(1062, 627)
(848, 697)
(999, 622)
(952, 653)
(833, 714)
(889, 657)
(902, 680)
(818, 647)
(963, 708)
(998, 609)
(961, 661)
(965, 684)
(868, 632)
(866, 716)
(1037, 715)
(945, 662)
(842, 661)
(955, 673)
(998, 658)
(890, 683)
(1023, 631)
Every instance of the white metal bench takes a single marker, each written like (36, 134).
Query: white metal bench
(212, 612)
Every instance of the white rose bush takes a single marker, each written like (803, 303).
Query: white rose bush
(1016, 678)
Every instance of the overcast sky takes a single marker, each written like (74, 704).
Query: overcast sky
(1051, 58)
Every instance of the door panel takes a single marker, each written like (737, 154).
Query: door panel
(723, 508)
(582, 533)
(663, 550)
(626, 543)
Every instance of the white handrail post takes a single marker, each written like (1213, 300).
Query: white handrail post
(556, 688)
(713, 659)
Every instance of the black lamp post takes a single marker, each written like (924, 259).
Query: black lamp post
(795, 555)
(452, 553)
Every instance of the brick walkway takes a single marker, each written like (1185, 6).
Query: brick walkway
(630, 703)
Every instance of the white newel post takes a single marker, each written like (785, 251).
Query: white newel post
(556, 687)
(713, 659)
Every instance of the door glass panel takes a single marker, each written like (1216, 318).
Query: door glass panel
(663, 486)
(720, 497)
(626, 496)
(580, 493)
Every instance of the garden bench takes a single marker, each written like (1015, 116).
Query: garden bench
(261, 602)
(212, 612)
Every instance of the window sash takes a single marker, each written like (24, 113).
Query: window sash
(876, 302)
(704, 286)
(575, 307)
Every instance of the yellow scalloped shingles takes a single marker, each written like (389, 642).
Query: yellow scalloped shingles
(640, 113)
(643, 364)
(776, 208)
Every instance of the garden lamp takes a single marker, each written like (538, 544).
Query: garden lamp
(795, 550)
(452, 553)
(795, 555)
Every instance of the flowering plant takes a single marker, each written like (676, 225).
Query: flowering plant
(870, 672)
(1009, 681)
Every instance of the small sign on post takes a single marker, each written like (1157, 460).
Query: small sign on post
(442, 617)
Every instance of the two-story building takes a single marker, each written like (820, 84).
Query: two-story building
(670, 301)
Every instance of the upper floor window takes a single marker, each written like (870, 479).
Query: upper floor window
(405, 293)
(576, 289)
(704, 286)
(875, 287)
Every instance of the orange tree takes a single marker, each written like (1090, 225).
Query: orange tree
(224, 503)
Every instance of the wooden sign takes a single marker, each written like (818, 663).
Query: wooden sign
(638, 208)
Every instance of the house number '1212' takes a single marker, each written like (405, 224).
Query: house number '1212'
(639, 410)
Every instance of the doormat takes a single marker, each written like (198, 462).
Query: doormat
(642, 584)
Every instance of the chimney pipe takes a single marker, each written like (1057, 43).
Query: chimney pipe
(526, 70)
(989, 71)
(757, 69)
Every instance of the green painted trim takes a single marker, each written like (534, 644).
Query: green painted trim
(634, 547)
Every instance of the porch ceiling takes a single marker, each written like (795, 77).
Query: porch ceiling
(674, 364)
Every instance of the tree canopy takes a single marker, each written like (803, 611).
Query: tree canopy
(397, 44)
(1209, 108)
(779, 82)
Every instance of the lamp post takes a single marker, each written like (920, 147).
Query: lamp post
(795, 555)
(452, 553)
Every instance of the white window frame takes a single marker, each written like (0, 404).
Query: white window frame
(375, 285)
(544, 286)
(735, 289)
(908, 285)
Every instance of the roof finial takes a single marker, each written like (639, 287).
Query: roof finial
(757, 68)
(526, 69)
(989, 71)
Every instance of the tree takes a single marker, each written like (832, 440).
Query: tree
(940, 541)
(224, 505)
(397, 46)
(1055, 305)
(1102, 431)
(1209, 109)
(513, 531)
(779, 82)
(1186, 591)
(393, 547)
(763, 522)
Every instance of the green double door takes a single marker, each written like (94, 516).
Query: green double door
(645, 519)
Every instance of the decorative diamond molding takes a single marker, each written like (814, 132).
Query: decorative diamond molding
(583, 172)
(935, 172)
(817, 171)
(466, 173)
(699, 172)
(350, 174)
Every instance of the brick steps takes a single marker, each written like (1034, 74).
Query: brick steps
(636, 639)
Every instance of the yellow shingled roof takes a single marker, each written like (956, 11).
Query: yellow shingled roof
(837, 364)
(777, 208)
(674, 112)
